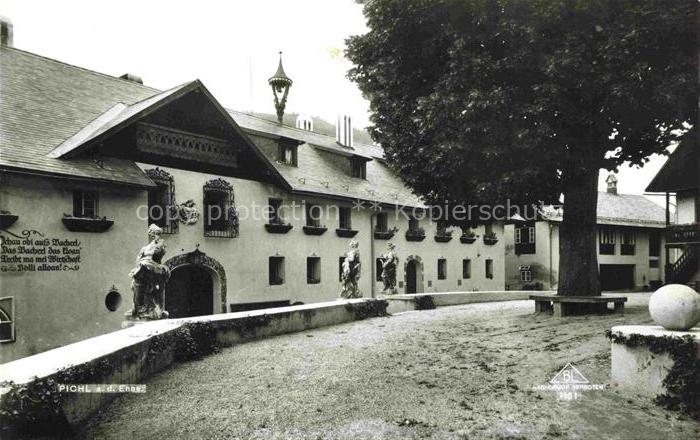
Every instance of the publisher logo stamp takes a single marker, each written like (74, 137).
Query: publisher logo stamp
(569, 384)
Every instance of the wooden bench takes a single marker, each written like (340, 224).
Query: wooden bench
(572, 305)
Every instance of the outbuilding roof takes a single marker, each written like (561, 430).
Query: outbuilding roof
(621, 210)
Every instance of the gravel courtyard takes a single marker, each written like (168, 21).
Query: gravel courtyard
(462, 372)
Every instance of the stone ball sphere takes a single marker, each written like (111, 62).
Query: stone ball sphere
(675, 307)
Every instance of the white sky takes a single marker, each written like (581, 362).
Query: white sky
(171, 42)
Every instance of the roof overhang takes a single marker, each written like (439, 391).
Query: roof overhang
(121, 116)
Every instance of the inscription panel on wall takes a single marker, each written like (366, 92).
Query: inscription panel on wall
(32, 251)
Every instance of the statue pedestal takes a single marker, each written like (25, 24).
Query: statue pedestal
(638, 368)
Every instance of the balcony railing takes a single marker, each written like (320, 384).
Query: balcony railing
(689, 233)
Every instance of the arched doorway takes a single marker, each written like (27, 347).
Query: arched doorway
(413, 274)
(214, 270)
(190, 292)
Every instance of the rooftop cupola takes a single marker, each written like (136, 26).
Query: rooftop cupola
(280, 84)
(612, 183)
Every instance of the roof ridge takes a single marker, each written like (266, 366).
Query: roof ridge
(298, 129)
(84, 69)
(156, 91)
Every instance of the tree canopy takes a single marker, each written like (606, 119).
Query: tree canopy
(488, 101)
(483, 100)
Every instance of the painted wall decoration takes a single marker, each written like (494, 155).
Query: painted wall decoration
(32, 251)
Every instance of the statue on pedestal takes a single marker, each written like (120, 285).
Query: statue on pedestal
(351, 273)
(389, 262)
(149, 278)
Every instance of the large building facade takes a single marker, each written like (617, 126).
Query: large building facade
(256, 213)
(630, 244)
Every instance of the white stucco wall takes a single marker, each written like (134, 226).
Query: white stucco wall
(59, 308)
(545, 265)
(53, 308)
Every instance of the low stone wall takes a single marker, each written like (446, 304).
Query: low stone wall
(407, 302)
(645, 359)
(131, 355)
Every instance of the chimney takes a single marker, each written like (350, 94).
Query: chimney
(5, 32)
(343, 131)
(612, 183)
(305, 123)
(131, 77)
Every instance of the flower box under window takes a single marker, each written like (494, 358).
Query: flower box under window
(314, 230)
(7, 219)
(415, 235)
(278, 228)
(86, 224)
(490, 239)
(345, 233)
(467, 239)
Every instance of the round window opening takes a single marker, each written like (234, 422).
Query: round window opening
(113, 300)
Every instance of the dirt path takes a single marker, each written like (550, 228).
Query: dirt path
(463, 372)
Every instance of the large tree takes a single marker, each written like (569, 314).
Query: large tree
(479, 101)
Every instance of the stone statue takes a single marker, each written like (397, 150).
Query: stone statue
(351, 273)
(389, 262)
(149, 278)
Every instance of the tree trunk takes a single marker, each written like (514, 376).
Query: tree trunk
(578, 240)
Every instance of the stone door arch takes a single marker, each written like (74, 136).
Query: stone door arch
(200, 259)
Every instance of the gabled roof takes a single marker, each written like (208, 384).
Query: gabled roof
(622, 210)
(44, 102)
(50, 111)
(681, 170)
(117, 116)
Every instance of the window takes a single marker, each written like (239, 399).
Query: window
(313, 215)
(113, 300)
(358, 167)
(382, 222)
(466, 268)
(378, 271)
(629, 239)
(287, 154)
(606, 240)
(276, 266)
(654, 244)
(441, 228)
(85, 204)
(654, 248)
(344, 218)
(161, 201)
(274, 211)
(313, 270)
(489, 269)
(441, 269)
(7, 319)
(525, 273)
(220, 218)
(488, 229)
(524, 239)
